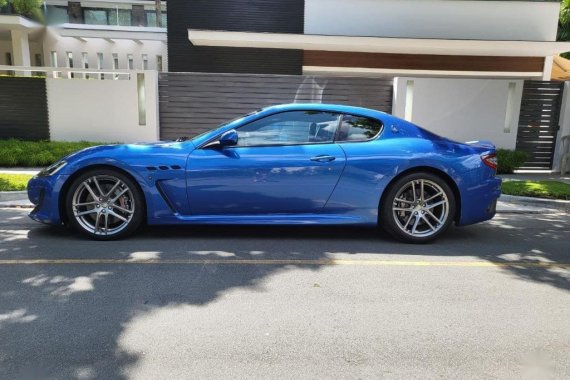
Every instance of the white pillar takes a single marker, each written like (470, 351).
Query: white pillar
(21, 50)
(547, 72)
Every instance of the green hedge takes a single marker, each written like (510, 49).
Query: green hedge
(17, 153)
(509, 160)
(14, 182)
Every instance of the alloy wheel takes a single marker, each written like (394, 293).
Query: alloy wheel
(420, 208)
(103, 205)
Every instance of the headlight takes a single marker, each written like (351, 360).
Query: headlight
(52, 169)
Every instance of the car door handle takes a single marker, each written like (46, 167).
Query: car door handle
(323, 158)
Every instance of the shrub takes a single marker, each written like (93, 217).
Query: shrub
(37, 153)
(509, 160)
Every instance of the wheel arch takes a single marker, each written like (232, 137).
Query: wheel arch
(435, 171)
(77, 173)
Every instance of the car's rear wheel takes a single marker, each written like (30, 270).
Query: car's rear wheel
(104, 204)
(418, 208)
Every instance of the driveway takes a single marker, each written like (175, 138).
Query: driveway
(485, 301)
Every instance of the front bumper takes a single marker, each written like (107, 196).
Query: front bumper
(44, 193)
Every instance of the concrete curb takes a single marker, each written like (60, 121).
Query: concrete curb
(13, 195)
(556, 204)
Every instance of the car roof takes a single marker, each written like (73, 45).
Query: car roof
(325, 107)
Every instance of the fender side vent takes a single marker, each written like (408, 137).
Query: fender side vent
(151, 168)
(163, 167)
(176, 167)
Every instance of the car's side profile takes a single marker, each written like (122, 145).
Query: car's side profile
(289, 164)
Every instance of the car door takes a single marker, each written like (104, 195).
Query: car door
(282, 163)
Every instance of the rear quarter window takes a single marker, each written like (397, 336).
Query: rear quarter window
(358, 128)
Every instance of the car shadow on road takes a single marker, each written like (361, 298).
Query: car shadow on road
(48, 312)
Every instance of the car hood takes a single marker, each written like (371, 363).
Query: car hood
(138, 154)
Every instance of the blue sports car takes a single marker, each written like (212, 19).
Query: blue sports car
(310, 164)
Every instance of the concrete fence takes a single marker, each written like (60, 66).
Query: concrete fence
(93, 105)
(104, 110)
(124, 106)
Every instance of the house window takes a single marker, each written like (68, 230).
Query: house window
(85, 63)
(121, 17)
(69, 59)
(151, 18)
(115, 64)
(53, 58)
(130, 62)
(144, 61)
(100, 65)
(38, 60)
(70, 63)
(115, 61)
(159, 63)
(9, 59)
(56, 14)
(95, 16)
(99, 61)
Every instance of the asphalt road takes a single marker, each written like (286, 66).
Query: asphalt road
(487, 301)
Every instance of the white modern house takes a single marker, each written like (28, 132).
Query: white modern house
(466, 69)
(100, 34)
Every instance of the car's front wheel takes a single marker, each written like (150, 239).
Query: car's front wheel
(417, 208)
(104, 204)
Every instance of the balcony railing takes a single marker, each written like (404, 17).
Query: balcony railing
(67, 72)
(114, 16)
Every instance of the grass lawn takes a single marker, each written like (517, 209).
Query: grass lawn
(537, 189)
(17, 153)
(14, 182)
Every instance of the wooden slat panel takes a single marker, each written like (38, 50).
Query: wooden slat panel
(422, 61)
(191, 103)
(23, 108)
(540, 107)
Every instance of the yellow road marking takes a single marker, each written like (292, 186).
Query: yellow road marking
(284, 262)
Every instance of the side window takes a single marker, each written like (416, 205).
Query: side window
(289, 128)
(358, 128)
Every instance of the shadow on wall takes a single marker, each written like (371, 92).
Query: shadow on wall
(52, 309)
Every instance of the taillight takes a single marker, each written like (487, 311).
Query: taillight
(490, 160)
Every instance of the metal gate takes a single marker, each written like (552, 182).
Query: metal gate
(538, 123)
(23, 108)
(191, 103)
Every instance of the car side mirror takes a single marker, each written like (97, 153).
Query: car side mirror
(228, 138)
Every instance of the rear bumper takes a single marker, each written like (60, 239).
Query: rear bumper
(44, 192)
(479, 202)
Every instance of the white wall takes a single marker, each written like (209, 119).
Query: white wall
(487, 20)
(462, 109)
(102, 110)
(92, 46)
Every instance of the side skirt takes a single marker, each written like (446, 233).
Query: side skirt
(276, 219)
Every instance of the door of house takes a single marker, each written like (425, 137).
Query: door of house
(538, 123)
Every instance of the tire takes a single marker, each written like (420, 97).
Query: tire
(104, 204)
(416, 218)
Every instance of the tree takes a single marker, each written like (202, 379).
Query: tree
(27, 8)
(564, 21)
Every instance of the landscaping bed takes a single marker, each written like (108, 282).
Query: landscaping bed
(14, 182)
(17, 153)
(537, 189)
